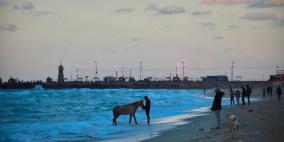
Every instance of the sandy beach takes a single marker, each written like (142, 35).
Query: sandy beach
(262, 121)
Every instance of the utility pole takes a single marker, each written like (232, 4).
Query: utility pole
(277, 67)
(116, 75)
(129, 72)
(96, 69)
(232, 71)
(182, 69)
(176, 71)
(140, 69)
(77, 72)
(122, 71)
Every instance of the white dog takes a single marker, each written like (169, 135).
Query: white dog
(236, 123)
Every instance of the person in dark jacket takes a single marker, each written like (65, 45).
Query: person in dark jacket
(232, 96)
(279, 93)
(147, 108)
(244, 93)
(248, 93)
(217, 106)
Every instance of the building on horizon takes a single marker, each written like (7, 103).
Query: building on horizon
(109, 79)
(49, 79)
(60, 78)
(215, 78)
(279, 76)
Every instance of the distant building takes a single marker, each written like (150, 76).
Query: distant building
(185, 79)
(96, 79)
(215, 78)
(13, 80)
(79, 79)
(109, 79)
(60, 78)
(131, 79)
(148, 79)
(121, 79)
(49, 80)
(176, 78)
(278, 77)
(168, 79)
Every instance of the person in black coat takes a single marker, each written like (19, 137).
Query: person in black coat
(217, 106)
(147, 108)
(244, 93)
(279, 93)
(248, 91)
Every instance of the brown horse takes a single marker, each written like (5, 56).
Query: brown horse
(128, 109)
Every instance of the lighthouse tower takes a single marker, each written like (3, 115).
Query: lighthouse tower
(60, 78)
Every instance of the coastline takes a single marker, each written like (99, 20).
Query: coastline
(262, 122)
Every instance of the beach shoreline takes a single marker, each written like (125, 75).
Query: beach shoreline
(262, 122)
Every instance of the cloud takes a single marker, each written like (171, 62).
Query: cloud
(260, 17)
(152, 7)
(249, 3)
(124, 10)
(8, 27)
(199, 13)
(24, 6)
(266, 3)
(207, 24)
(218, 37)
(224, 1)
(41, 12)
(168, 10)
(279, 22)
(233, 26)
(3, 2)
(136, 39)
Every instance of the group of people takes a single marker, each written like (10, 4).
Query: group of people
(246, 93)
(268, 91)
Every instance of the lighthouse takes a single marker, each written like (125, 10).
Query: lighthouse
(60, 78)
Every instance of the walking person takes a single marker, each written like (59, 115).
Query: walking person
(238, 95)
(217, 106)
(248, 93)
(263, 93)
(267, 90)
(243, 95)
(232, 96)
(147, 108)
(279, 93)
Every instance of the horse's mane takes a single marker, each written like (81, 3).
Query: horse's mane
(136, 103)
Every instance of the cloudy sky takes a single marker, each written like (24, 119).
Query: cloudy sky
(206, 34)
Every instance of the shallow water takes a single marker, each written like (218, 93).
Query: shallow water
(86, 114)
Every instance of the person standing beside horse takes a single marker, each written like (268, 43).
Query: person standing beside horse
(147, 108)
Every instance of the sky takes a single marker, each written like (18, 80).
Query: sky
(207, 35)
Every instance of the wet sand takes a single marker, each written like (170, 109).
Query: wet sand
(262, 121)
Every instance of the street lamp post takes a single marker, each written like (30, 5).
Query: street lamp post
(182, 69)
(140, 69)
(96, 70)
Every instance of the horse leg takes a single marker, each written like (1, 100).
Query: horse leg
(134, 119)
(130, 118)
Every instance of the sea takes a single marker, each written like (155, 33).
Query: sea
(48, 115)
